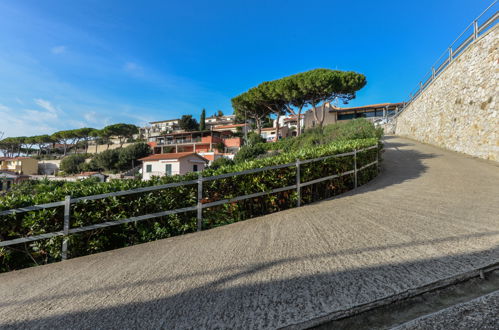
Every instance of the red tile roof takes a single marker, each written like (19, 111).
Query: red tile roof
(177, 155)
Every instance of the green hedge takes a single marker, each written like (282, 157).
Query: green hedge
(114, 208)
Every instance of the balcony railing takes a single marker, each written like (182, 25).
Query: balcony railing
(484, 22)
(179, 141)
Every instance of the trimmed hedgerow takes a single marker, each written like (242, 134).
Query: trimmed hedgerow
(120, 207)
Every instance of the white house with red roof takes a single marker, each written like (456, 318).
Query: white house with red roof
(172, 164)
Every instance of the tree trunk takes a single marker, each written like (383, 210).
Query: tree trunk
(315, 111)
(298, 122)
(259, 126)
(277, 128)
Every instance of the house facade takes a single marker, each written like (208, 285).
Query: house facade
(172, 164)
(19, 165)
(196, 141)
(157, 128)
(213, 121)
(269, 134)
(334, 114)
(291, 122)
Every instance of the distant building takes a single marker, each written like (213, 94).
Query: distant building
(172, 164)
(291, 122)
(335, 114)
(196, 141)
(19, 165)
(269, 134)
(158, 128)
(234, 128)
(213, 121)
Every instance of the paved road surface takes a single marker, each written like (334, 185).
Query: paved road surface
(431, 214)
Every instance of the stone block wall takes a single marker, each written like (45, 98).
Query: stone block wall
(459, 110)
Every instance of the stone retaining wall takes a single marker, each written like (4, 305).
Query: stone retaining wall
(459, 110)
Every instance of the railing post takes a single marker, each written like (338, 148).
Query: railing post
(298, 183)
(450, 54)
(200, 204)
(432, 73)
(67, 218)
(355, 167)
(475, 29)
(377, 158)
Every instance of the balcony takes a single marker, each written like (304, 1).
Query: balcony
(179, 141)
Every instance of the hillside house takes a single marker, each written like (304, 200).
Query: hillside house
(157, 128)
(213, 121)
(19, 165)
(196, 141)
(335, 114)
(291, 122)
(172, 164)
(269, 134)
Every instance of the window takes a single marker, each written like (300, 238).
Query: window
(148, 168)
(346, 116)
(168, 169)
(195, 168)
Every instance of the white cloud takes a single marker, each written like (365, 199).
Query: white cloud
(25, 122)
(58, 50)
(46, 105)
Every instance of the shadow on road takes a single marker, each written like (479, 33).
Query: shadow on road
(267, 304)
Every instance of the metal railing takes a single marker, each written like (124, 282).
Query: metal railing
(486, 20)
(68, 201)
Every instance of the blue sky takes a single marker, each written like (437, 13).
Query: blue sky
(70, 64)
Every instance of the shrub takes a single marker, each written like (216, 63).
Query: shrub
(122, 159)
(107, 160)
(254, 138)
(127, 157)
(248, 152)
(222, 161)
(72, 164)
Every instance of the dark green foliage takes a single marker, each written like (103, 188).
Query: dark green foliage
(128, 156)
(122, 131)
(248, 153)
(254, 138)
(116, 160)
(202, 121)
(188, 123)
(73, 164)
(222, 161)
(106, 160)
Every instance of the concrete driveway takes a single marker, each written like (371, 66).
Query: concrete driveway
(430, 215)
